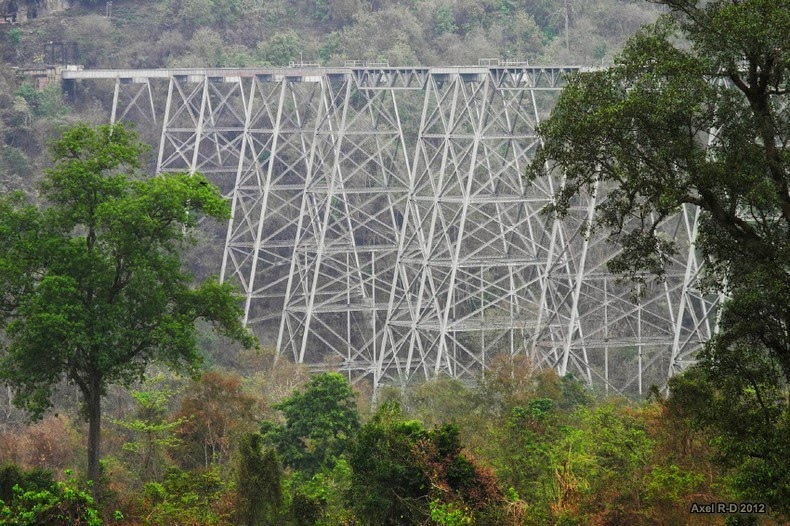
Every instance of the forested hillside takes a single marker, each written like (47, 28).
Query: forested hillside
(200, 430)
(173, 33)
(209, 33)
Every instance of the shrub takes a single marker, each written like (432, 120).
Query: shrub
(56, 504)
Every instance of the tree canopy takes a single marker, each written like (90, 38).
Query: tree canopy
(92, 287)
(403, 474)
(695, 113)
(320, 423)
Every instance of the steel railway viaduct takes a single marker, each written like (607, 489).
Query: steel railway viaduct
(382, 225)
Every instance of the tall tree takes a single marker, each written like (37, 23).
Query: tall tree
(92, 287)
(216, 411)
(258, 482)
(320, 423)
(400, 471)
(695, 113)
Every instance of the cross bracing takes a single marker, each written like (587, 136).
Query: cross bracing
(382, 224)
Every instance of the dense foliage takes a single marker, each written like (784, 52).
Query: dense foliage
(702, 122)
(208, 33)
(92, 288)
(320, 422)
(531, 452)
(405, 32)
(259, 442)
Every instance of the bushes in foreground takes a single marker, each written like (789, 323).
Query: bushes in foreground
(533, 452)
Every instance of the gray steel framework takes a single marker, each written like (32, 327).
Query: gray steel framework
(382, 225)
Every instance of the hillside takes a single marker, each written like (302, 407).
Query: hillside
(175, 33)
(181, 33)
(239, 437)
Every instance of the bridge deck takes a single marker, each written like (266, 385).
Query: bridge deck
(223, 73)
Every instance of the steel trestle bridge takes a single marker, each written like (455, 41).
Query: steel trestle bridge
(382, 224)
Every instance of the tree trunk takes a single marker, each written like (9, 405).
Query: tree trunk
(93, 401)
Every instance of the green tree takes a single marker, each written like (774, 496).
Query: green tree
(188, 497)
(92, 287)
(151, 431)
(280, 48)
(403, 474)
(522, 455)
(598, 466)
(444, 21)
(258, 482)
(740, 398)
(46, 102)
(60, 503)
(320, 423)
(702, 121)
(388, 486)
(14, 36)
(322, 500)
(12, 476)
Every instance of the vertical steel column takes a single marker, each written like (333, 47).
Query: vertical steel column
(335, 138)
(573, 324)
(115, 94)
(165, 121)
(199, 127)
(236, 194)
(466, 195)
(444, 123)
(281, 142)
(261, 202)
(297, 305)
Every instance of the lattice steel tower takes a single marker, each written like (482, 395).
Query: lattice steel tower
(382, 225)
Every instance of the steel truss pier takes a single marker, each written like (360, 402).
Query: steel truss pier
(382, 225)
